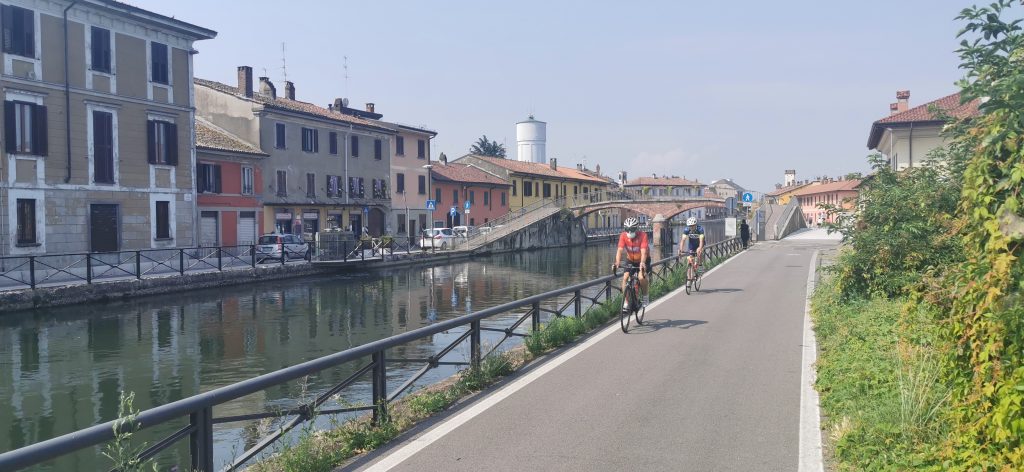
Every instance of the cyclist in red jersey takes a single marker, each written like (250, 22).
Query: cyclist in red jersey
(633, 242)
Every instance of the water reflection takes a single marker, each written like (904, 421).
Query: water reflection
(64, 369)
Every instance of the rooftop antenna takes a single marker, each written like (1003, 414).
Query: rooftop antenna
(284, 65)
(345, 66)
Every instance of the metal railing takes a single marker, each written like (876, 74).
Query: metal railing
(371, 360)
(33, 271)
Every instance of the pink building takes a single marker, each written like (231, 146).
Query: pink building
(455, 184)
(834, 192)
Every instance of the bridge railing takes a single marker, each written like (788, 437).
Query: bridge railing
(371, 360)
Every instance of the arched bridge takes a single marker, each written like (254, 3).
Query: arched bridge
(664, 206)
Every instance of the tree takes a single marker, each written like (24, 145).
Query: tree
(484, 147)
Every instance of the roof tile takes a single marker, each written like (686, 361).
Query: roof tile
(209, 136)
(466, 173)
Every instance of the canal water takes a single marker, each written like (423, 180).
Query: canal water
(64, 369)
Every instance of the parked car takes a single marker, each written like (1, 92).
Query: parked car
(282, 247)
(440, 238)
(464, 231)
(486, 229)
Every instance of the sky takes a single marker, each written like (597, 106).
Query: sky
(706, 90)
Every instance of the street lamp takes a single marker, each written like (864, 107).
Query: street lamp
(430, 213)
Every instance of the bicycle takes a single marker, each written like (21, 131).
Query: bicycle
(693, 274)
(632, 296)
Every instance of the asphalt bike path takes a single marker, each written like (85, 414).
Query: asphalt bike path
(712, 381)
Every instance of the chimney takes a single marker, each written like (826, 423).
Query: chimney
(903, 100)
(267, 88)
(369, 108)
(553, 163)
(790, 178)
(443, 158)
(245, 80)
(289, 90)
(339, 104)
(597, 169)
(330, 107)
(894, 108)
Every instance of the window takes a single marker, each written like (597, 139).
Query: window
(282, 183)
(421, 149)
(208, 178)
(163, 220)
(248, 180)
(279, 136)
(437, 200)
(19, 31)
(310, 140)
(311, 185)
(547, 190)
(355, 146)
(472, 197)
(502, 198)
(26, 221)
(400, 183)
(421, 185)
(455, 196)
(103, 146)
(163, 142)
(25, 128)
(513, 188)
(332, 186)
(100, 49)
(399, 146)
(158, 62)
(332, 142)
(401, 224)
(487, 198)
(355, 187)
(527, 188)
(377, 149)
(380, 188)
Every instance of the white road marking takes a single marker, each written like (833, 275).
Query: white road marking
(810, 417)
(439, 431)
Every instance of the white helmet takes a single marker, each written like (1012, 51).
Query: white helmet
(691, 221)
(631, 224)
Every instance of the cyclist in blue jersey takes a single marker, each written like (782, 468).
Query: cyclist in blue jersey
(692, 245)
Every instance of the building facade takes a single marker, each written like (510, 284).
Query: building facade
(328, 169)
(410, 153)
(98, 152)
(908, 135)
(228, 177)
(841, 193)
(455, 184)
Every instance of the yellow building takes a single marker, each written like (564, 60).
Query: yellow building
(533, 182)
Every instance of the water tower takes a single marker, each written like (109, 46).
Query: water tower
(531, 136)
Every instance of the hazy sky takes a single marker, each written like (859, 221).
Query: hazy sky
(742, 89)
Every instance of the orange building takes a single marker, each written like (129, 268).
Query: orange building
(840, 192)
(455, 184)
(228, 184)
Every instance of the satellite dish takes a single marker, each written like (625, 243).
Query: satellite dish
(344, 102)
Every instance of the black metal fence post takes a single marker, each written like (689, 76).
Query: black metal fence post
(578, 303)
(220, 262)
(32, 272)
(181, 261)
(201, 440)
(88, 268)
(380, 388)
(284, 256)
(252, 252)
(474, 343)
(138, 265)
(535, 309)
(608, 290)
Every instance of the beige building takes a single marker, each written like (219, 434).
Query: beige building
(328, 168)
(98, 152)
(908, 135)
(410, 152)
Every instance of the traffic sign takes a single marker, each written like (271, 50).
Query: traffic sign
(467, 205)
(366, 209)
(748, 197)
(431, 205)
(467, 211)
(454, 211)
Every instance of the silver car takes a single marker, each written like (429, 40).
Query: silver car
(281, 247)
(440, 238)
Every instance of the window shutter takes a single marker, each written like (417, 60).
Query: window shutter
(216, 179)
(151, 141)
(201, 178)
(29, 24)
(7, 14)
(39, 130)
(172, 144)
(9, 137)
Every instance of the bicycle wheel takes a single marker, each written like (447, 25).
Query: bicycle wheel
(689, 277)
(696, 281)
(640, 315)
(625, 314)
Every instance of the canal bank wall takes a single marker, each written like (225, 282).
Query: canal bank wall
(558, 230)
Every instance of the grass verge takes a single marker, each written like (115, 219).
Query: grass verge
(882, 398)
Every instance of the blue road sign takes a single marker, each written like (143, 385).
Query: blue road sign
(467, 204)
(431, 205)
(366, 209)
(454, 211)
(748, 197)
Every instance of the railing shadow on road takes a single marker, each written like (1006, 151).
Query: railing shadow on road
(719, 290)
(651, 326)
